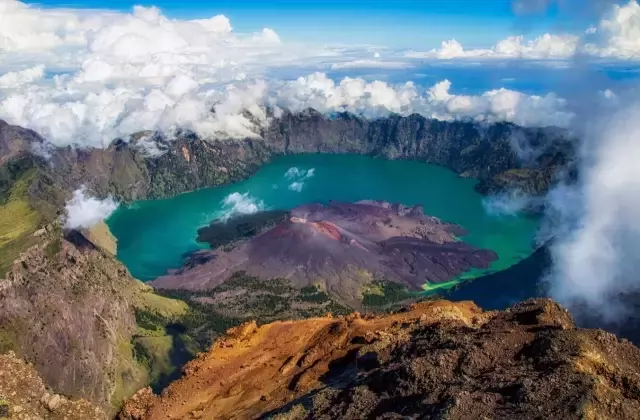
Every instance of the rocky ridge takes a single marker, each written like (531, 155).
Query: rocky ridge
(132, 170)
(437, 360)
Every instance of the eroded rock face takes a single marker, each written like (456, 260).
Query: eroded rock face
(345, 246)
(437, 360)
(64, 306)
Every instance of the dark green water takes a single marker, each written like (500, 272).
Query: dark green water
(154, 236)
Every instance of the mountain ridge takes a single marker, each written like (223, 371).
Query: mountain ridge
(437, 359)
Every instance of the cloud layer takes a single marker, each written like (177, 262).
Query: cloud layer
(84, 78)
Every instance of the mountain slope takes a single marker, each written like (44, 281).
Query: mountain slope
(437, 360)
(343, 247)
(70, 308)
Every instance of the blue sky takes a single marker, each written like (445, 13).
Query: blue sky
(417, 24)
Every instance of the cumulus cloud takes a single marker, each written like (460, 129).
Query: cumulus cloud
(84, 211)
(618, 33)
(15, 79)
(546, 46)
(617, 36)
(379, 98)
(87, 77)
(84, 78)
(371, 64)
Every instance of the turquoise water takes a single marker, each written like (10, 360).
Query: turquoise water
(154, 236)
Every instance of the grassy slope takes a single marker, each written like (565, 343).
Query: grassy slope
(18, 221)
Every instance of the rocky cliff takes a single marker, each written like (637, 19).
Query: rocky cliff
(151, 166)
(437, 360)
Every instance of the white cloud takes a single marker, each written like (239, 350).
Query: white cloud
(296, 186)
(84, 211)
(546, 46)
(616, 36)
(86, 77)
(597, 256)
(371, 64)
(506, 204)
(299, 176)
(237, 203)
(14, 79)
(379, 98)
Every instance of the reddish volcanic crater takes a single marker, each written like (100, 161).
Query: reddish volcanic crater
(344, 245)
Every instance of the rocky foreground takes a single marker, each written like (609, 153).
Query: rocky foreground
(437, 360)
(343, 246)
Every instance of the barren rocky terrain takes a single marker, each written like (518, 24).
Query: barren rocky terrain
(436, 360)
(341, 247)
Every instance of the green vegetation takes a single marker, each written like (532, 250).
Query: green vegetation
(5, 409)
(313, 294)
(241, 279)
(128, 374)
(205, 325)
(9, 336)
(147, 299)
(18, 220)
(433, 287)
(149, 320)
(245, 297)
(381, 293)
(225, 234)
(142, 355)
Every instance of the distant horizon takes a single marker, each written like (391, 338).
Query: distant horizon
(403, 24)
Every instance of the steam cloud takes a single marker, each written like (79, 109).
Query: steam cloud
(84, 211)
(299, 176)
(237, 203)
(506, 204)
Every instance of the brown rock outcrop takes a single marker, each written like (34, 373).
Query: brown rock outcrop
(437, 360)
